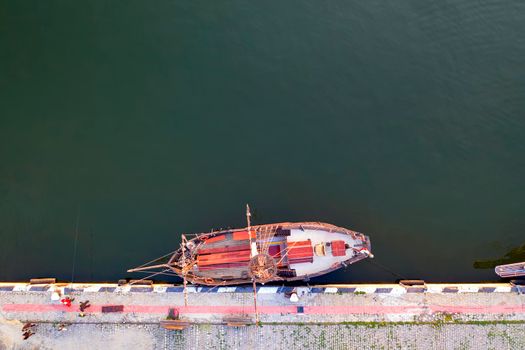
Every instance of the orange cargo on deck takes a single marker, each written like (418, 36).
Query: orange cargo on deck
(242, 235)
(338, 248)
(300, 252)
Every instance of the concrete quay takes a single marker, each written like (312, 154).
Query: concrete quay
(384, 316)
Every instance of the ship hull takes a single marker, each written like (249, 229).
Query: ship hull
(297, 251)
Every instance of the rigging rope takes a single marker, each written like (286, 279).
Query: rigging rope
(149, 276)
(171, 274)
(284, 254)
(267, 233)
(149, 262)
(385, 268)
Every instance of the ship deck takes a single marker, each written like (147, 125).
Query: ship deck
(321, 263)
(223, 257)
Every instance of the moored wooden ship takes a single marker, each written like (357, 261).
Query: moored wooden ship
(287, 251)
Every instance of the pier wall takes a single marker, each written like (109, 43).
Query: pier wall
(372, 315)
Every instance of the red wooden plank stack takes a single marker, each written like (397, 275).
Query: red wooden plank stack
(338, 248)
(223, 266)
(216, 239)
(224, 249)
(223, 257)
(243, 235)
(300, 252)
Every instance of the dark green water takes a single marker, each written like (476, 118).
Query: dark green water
(404, 120)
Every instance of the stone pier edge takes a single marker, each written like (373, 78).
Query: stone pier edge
(385, 289)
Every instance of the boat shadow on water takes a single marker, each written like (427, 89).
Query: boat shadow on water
(513, 256)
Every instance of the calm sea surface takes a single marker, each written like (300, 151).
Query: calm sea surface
(136, 121)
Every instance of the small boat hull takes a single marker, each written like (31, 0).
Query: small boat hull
(511, 270)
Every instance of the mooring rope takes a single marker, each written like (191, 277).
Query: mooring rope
(385, 268)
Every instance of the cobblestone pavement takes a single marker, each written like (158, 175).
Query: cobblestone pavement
(268, 337)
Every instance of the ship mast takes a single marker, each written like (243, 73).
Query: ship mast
(253, 243)
(185, 282)
(254, 252)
